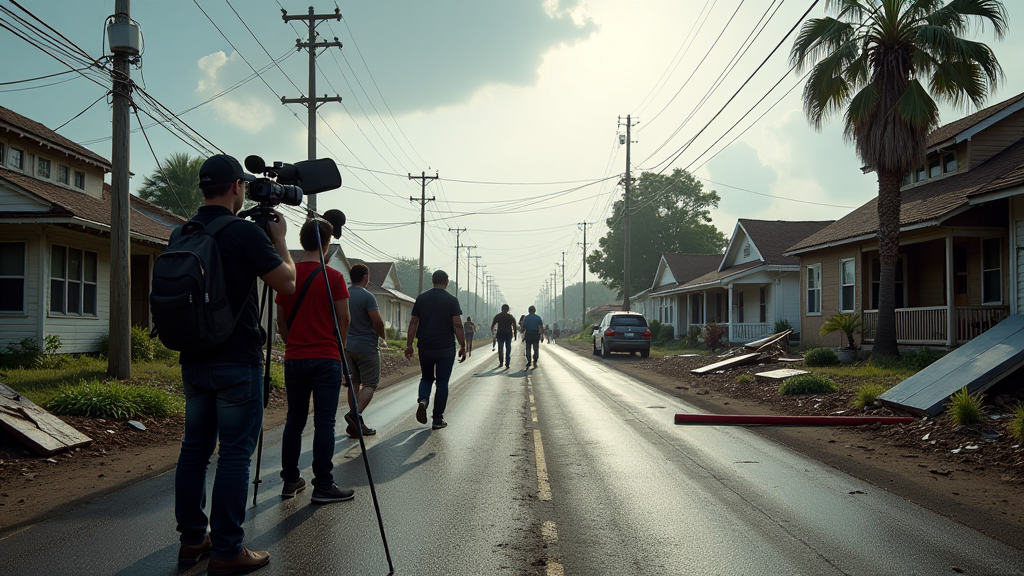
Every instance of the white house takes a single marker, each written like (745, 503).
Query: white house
(394, 305)
(55, 239)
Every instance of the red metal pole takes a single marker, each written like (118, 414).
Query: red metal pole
(745, 420)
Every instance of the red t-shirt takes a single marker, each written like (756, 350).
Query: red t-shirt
(311, 335)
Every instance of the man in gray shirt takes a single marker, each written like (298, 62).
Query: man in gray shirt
(362, 350)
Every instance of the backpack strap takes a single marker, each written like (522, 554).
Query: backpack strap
(302, 295)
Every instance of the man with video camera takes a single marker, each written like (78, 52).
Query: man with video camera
(223, 384)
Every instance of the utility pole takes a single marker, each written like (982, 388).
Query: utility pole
(476, 285)
(424, 179)
(458, 245)
(119, 360)
(583, 322)
(469, 273)
(311, 102)
(563, 288)
(625, 222)
(554, 293)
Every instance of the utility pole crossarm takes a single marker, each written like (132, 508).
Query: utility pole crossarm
(424, 180)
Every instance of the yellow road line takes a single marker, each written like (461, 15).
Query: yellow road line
(543, 487)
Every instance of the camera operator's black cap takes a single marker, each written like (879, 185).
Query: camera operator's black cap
(222, 169)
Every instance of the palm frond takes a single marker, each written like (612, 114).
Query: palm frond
(917, 108)
(991, 12)
(959, 83)
(863, 107)
(818, 37)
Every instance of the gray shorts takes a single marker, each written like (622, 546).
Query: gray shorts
(365, 368)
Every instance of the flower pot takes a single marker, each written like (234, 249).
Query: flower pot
(847, 355)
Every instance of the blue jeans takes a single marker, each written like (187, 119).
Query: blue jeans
(436, 367)
(504, 348)
(535, 345)
(225, 401)
(321, 379)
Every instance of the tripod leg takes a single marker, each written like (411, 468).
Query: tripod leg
(268, 302)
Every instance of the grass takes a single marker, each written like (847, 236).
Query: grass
(965, 408)
(674, 348)
(808, 384)
(744, 379)
(1016, 425)
(867, 394)
(114, 400)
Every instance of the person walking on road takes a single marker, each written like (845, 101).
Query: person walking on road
(312, 365)
(469, 328)
(504, 327)
(533, 328)
(362, 348)
(436, 323)
(223, 385)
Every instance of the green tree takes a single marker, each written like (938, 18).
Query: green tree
(668, 213)
(176, 186)
(408, 275)
(884, 63)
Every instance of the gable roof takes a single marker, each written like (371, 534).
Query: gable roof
(950, 131)
(773, 237)
(69, 203)
(27, 128)
(379, 272)
(927, 203)
(686, 267)
(716, 276)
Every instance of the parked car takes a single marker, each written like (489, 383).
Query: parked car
(622, 332)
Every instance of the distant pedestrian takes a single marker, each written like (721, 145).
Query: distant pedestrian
(362, 348)
(558, 333)
(532, 328)
(436, 323)
(504, 327)
(470, 329)
(547, 333)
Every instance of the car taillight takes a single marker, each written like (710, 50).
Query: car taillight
(647, 333)
(609, 333)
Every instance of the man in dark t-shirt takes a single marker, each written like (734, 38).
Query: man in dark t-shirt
(436, 323)
(224, 385)
(505, 324)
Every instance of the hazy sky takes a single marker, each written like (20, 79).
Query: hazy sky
(515, 104)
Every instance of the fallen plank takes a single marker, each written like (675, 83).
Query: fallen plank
(43, 432)
(768, 341)
(748, 420)
(730, 363)
(780, 374)
(789, 359)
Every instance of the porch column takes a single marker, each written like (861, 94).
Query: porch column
(951, 338)
(728, 317)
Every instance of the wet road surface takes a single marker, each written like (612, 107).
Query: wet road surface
(571, 468)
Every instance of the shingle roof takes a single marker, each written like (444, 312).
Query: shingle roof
(686, 267)
(929, 201)
(379, 271)
(773, 237)
(943, 133)
(27, 127)
(67, 202)
(717, 276)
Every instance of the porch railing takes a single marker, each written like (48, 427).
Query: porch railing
(928, 325)
(748, 332)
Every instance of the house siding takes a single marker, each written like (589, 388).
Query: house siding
(79, 334)
(996, 138)
(1017, 262)
(789, 298)
(15, 327)
(830, 285)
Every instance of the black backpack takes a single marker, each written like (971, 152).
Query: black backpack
(189, 299)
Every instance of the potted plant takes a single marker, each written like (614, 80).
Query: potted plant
(847, 323)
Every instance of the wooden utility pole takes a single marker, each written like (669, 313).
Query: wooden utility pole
(424, 179)
(584, 245)
(476, 285)
(469, 273)
(563, 288)
(119, 358)
(458, 245)
(311, 102)
(625, 223)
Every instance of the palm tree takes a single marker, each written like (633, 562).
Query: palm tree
(873, 60)
(174, 186)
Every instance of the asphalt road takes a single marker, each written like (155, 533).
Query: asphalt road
(567, 469)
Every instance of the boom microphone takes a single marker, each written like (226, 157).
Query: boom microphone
(255, 164)
(337, 220)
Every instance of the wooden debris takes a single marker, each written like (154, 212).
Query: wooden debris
(781, 374)
(730, 363)
(42, 431)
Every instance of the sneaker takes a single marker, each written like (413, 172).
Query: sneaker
(367, 431)
(189, 555)
(332, 494)
(246, 562)
(421, 411)
(438, 424)
(290, 489)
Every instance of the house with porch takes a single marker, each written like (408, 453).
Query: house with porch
(394, 305)
(752, 286)
(674, 270)
(961, 253)
(55, 239)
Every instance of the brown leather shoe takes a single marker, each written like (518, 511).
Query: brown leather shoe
(189, 555)
(246, 562)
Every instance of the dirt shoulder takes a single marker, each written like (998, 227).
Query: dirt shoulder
(33, 488)
(978, 486)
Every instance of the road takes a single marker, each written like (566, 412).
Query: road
(571, 468)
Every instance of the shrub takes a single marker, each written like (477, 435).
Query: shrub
(845, 323)
(392, 333)
(867, 395)
(23, 354)
(821, 357)
(692, 338)
(655, 327)
(965, 408)
(744, 379)
(808, 384)
(1017, 423)
(666, 334)
(142, 346)
(782, 326)
(714, 335)
(114, 400)
(919, 360)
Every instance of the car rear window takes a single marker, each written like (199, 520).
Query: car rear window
(628, 321)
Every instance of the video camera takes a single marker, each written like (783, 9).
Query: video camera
(286, 184)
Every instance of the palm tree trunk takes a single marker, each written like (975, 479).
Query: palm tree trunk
(889, 204)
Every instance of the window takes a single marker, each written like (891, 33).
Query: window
(63, 174)
(73, 285)
(1, 153)
(876, 271)
(746, 249)
(991, 271)
(949, 162)
(696, 309)
(906, 179)
(934, 168)
(16, 159)
(847, 277)
(43, 168)
(12, 277)
(763, 306)
(739, 307)
(814, 289)
(920, 175)
(80, 180)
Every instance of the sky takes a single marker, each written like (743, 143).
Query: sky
(517, 106)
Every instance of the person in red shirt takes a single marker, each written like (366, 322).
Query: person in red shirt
(312, 365)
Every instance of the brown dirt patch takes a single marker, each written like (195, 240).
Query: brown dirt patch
(33, 488)
(979, 485)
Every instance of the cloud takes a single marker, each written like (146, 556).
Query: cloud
(740, 166)
(237, 108)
